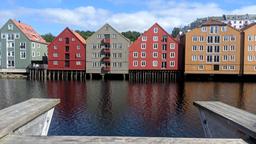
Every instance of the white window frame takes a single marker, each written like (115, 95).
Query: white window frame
(172, 45)
(154, 63)
(55, 63)
(135, 63)
(172, 64)
(155, 44)
(155, 54)
(21, 52)
(135, 54)
(172, 54)
(143, 46)
(155, 30)
(142, 54)
(145, 62)
(155, 38)
(78, 63)
(10, 26)
(144, 38)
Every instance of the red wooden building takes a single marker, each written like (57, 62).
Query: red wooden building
(67, 52)
(154, 50)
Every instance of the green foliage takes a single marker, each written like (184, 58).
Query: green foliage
(175, 32)
(48, 37)
(132, 35)
(85, 34)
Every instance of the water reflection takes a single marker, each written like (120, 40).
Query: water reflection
(120, 108)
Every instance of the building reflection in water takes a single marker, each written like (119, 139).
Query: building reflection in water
(120, 108)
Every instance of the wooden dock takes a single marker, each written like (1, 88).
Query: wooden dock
(24, 118)
(14, 139)
(220, 120)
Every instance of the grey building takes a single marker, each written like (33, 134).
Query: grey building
(107, 52)
(20, 45)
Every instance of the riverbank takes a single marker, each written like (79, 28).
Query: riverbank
(12, 76)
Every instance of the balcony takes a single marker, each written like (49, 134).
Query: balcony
(106, 69)
(106, 41)
(106, 59)
(106, 50)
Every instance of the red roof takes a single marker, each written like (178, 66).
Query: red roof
(79, 37)
(30, 33)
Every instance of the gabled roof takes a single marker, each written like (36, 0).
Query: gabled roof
(247, 27)
(112, 29)
(156, 24)
(29, 32)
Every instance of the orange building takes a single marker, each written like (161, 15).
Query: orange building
(249, 43)
(213, 48)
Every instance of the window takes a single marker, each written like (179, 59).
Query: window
(209, 58)
(33, 45)
(201, 48)
(209, 49)
(55, 62)
(224, 28)
(55, 55)
(164, 47)
(73, 39)
(155, 54)
(172, 63)
(22, 46)
(78, 47)
(155, 63)
(225, 58)
(99, 36)
(216, 67)
(224, 67)
(78, 55)
(226, 38)
(201, 38)
(172, 46)
(172, 54)
(217, 39)
(201, 58)
(38, 45)
(143, 63)
(201, 67)
(217, 49)
(67, 48)
(164, 38)
(113, 36)
(194, 38)
(55, 47)
(225, 48)
(155, 38)
(232, 38)
(10, 44)
(10, 26)
(78, 62)
(216, 58)
(10, 53)
(143, 54)
(232, 67)
(155, 46)
(22, 55)
(143, 46)
(144, 38)
(60, 39)
(155, 30)
(164, 56)
(250, 48)
(250, 38)
(94, 46)
(34, 54)
(214, 29)
(135, 54)
(3, 36)
(164, 65)
(210, 39)
(232, 48)
(194, 58)
(135, 63)
(232, 58)
(10, 36)
(17, 36)
(38, 53)
(203, 29)
(194, 48)
(250, 58)
(119, 45)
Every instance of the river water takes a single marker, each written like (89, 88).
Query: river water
(122, 108)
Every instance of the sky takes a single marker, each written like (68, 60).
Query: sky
(52, 16)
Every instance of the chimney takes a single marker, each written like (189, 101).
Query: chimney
(19, 21)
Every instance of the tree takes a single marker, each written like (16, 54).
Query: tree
(85, 34)
(175, 32)
(48, 37)
(132, 35)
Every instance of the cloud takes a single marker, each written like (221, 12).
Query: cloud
(168, 13)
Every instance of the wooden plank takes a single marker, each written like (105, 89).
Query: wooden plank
(242, 120)
(16, 116)
(15, 139)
